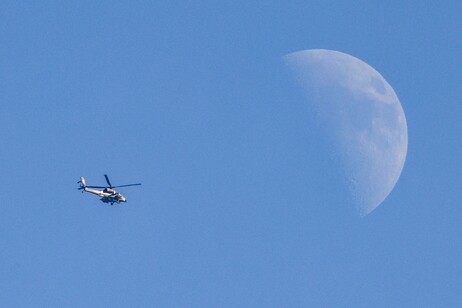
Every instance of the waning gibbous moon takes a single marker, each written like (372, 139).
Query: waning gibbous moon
(362, 116)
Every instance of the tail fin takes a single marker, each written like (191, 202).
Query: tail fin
(82, 182)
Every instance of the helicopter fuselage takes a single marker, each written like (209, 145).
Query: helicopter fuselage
(108, 195)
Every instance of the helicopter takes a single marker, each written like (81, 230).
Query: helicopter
(108, 194)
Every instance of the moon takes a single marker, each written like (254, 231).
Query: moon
(360, 115)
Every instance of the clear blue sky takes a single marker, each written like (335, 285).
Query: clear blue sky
(236, 207)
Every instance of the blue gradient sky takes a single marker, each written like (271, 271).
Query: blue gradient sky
(239, 206)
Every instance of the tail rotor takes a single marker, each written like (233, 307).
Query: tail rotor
(82, 183)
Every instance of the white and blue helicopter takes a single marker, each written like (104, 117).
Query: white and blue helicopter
(108, 194)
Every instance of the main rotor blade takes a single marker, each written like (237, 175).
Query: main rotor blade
(96, 186)
(127, 185)
(107, 180)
